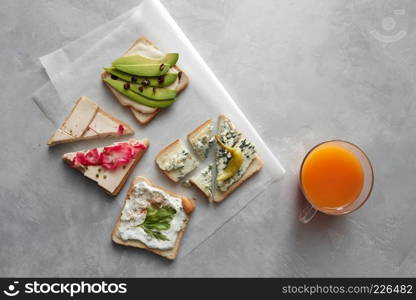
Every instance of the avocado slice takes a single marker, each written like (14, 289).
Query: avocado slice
(160, 81)
(136, 59)
(153, 93)
(144, 70)
(119, 86)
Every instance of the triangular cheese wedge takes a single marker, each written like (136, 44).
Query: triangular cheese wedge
(111, 180)
(87, 120)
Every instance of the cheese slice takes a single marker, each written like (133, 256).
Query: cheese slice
(87, 120)
(110, 180)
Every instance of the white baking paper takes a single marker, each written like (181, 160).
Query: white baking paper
(75, 71)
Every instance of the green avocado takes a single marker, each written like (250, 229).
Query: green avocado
(161, 81)
(120, 87)
(169, 59)
(144, 70)
(153, 93)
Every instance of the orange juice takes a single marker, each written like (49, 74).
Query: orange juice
(331, 177)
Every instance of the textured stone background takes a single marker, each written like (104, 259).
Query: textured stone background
(303, 71)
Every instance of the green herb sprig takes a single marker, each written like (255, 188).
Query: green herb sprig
(158, 219)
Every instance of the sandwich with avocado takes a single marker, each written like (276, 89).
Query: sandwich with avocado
(145, 79)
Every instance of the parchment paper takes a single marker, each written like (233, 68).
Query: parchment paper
(75, 71)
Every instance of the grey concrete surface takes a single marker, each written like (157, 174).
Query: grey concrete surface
(303, 71)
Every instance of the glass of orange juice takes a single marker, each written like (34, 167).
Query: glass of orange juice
(336, 178)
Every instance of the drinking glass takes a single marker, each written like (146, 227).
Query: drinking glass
(310, 210)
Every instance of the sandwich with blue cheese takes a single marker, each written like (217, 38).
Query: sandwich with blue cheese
(203, 181)
(153, 218)
(201, 139)
(176, 161)
(236, 159)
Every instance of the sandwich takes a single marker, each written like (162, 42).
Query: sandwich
(108, 166)
(87, 120)
(176, 161)
(201, 139)
(153, 219)
(204, 181)
(145, 79)
(236, 159)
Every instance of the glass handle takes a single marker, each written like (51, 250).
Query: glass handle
(307, 213)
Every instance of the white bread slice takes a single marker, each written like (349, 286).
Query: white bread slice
(204, 180)
(169, 153)
(188, 205)
(87, 120)
(255, 166)
(111, 181)
(200, 139)
(142, 113)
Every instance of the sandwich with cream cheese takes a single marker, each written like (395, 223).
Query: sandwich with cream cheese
(153, 218)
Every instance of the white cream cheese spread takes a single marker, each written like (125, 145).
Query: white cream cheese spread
(134, 214)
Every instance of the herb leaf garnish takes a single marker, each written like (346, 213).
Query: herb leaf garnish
(158, 219)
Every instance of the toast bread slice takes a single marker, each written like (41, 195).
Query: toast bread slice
(169, 253)
(87, 120)
(167, 153)
(255, 166)
(119, 176)
(142, 113)
(197, 135)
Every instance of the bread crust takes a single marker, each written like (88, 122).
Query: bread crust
(126, 176)
(128, 129)
(170, 254)
(194, 132)
(145, 118)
